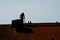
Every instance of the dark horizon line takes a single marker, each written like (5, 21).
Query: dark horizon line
(37, 23)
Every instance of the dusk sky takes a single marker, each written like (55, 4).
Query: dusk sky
(35, 10)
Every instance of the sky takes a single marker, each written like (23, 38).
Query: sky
(36, 11)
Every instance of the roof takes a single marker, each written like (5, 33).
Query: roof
(35, 24)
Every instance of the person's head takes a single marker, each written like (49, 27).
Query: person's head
(22, 14)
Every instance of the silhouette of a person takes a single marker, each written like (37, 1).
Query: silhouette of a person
(22, 16)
